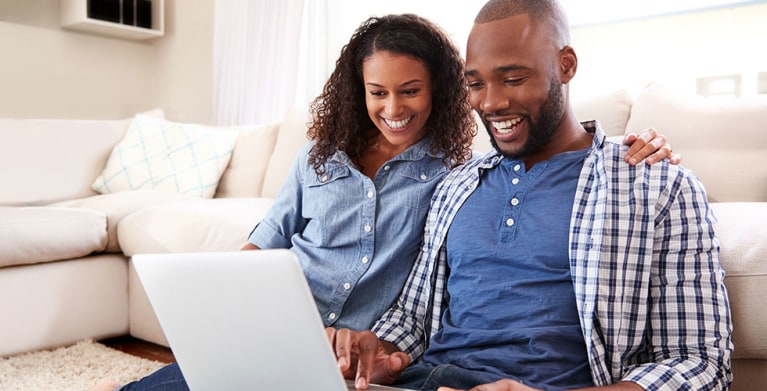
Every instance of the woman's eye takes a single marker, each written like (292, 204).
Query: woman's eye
(410, 92)
(377, 93)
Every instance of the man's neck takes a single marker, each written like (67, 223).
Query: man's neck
(569, 136)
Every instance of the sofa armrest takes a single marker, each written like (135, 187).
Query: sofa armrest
(742, 229)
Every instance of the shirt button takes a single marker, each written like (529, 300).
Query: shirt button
(514, 201)
(332, 316)
(386, 168)
(510, 222)
(517, 167)
(365, 259)
(368, 228)
(515, 181)
(347, 286)
(324, 178)
(370, 194)
(423, 177)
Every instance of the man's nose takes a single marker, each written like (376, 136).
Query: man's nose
(494, 99)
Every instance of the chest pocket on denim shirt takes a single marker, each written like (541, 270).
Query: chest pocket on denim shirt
(328, 204)
(407, 195)
(331, 174)
(416, 183)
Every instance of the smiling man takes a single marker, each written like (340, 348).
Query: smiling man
(551, 263)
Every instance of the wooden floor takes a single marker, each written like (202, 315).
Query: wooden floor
(140, 348)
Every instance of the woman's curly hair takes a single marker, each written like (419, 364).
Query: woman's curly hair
(340, 120)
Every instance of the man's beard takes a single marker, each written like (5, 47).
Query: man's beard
(541, 130)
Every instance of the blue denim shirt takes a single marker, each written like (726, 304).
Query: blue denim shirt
(356, 238)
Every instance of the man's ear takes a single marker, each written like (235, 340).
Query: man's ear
(568, 63)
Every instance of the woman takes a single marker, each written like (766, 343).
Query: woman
(392, 120)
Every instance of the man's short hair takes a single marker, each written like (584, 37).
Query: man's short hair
(546, 12)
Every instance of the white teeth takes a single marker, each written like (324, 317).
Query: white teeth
(504, 127)
(397, 124)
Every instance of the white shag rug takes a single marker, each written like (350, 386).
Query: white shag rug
(77, 368)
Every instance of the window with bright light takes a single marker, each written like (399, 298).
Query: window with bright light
(761, 83)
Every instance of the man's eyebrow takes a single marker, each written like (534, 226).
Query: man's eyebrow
(500, 69)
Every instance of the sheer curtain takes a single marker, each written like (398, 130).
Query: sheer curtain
(256, 59)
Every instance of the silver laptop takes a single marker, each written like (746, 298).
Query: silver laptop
(242, 320)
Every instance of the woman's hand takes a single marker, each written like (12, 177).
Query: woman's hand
(651, 145)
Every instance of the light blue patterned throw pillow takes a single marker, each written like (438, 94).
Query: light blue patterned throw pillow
(157, 154)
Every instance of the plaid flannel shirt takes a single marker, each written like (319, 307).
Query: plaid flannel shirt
(644, 260)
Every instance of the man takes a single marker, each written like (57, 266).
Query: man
(552, 263)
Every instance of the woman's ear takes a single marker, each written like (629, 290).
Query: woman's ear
(568, 62)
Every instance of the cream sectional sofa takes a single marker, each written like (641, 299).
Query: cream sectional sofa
(65, 271)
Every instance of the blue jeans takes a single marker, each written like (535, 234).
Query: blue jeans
(167, 378)
(419, 376)
(428, 377)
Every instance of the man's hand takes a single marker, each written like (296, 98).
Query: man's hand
(366, 359)
(651, 145)
(500, 385)
(511, 385)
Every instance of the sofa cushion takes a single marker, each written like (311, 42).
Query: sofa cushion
(290, 138)
(118, 205)
(723, 140)
(67, 153)
(219, 224)
(611, 109)
(742, 229)
(156, 154)
(244, 176)
(42, 234)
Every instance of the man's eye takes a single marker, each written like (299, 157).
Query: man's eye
(515, 81)
(474, 85)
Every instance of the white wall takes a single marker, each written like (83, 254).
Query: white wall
(673, 50)
(183, 78)
(49, 72)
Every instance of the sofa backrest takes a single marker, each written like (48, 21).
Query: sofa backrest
(244, 176)
(46, 160)
(290, 138)
(612, 109)
(723, 140)
(263, 155)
